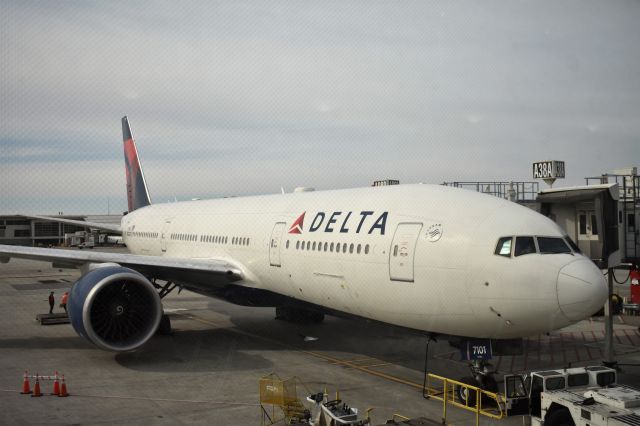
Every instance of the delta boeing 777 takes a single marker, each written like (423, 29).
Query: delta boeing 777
(441, 260)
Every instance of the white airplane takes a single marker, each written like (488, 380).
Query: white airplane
(437, 259)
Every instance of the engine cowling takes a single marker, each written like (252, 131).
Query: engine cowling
(114, 307)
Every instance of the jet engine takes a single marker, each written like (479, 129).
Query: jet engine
(114, 307)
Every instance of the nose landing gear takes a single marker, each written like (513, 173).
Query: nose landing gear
(482, 376)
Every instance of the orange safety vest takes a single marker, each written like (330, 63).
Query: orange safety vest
(64, 298)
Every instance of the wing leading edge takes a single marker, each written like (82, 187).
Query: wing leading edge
(204, 271)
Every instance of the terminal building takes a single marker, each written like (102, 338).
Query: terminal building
(25, 231)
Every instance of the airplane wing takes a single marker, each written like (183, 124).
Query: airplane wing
(105, 226)
(202, 271)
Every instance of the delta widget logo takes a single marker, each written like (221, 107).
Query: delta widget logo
(296, 228)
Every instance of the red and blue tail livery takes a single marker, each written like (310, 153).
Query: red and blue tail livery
(137, 191)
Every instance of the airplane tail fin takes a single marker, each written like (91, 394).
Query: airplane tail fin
(137, 191)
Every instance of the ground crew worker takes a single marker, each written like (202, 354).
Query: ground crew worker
(65, 298)
(52, 301)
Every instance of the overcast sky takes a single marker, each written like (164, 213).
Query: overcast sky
(232, 98)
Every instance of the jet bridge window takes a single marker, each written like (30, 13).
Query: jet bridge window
(524, 245)
(552, 245)
(503, 248)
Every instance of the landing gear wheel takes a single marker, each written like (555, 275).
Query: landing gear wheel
(164, 329)
(560, 417)
(466, 395)
(489, 384)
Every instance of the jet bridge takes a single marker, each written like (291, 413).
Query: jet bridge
(589, 215)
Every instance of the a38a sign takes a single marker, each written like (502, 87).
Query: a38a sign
(548, 169)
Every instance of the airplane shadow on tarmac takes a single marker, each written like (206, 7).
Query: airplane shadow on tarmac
(251, 329)
(226, 349)
(195, 351)
(342, 338)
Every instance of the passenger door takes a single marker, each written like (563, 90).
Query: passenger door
(164, 235)
(274, 244)
(402, 252)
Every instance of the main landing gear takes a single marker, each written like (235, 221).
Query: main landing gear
(164, 329)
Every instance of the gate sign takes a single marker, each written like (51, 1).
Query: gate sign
(476, 349)
(548, 170)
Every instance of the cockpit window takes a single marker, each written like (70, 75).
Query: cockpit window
(504, 247)
(524, 245)
(573, 245)
(552, 245)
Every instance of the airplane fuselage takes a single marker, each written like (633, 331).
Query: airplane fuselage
(417, 256)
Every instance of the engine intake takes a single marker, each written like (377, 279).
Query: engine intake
(114, 307)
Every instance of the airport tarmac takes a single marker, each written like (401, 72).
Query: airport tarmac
(207, 370)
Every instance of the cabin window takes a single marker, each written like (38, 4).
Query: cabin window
(297, 245)
(308, 245)
(331, 248)
(325, 246)
(314, 246)
(338, 248)
(503, 248)
(366, 249)
(554, 383)
(524, 245)
(287, 244)
(552, 245)
(606, 379)
(351, 248)
(344, 247)
(359, 248)
(580, 379)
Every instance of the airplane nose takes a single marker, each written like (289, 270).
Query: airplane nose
(582, 289)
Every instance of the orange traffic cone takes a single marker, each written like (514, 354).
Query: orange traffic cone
(56, 385)
(26, 387)
(36, 388)
(63, 388)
